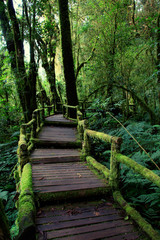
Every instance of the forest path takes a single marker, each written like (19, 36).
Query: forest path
(61, 180)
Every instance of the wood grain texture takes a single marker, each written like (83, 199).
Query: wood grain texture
(52, 177)
(55, 155)
(85, 222)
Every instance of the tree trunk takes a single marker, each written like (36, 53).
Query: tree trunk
(111, 67)
(158, 57)
(48, 66)
(33, 69)
(26, 90)
(68, 64)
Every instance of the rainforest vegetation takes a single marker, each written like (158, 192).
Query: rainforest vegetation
(110, 59)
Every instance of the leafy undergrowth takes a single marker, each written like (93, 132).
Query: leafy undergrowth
(139, 192)
(8, 159)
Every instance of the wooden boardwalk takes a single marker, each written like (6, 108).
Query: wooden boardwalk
(59, 176)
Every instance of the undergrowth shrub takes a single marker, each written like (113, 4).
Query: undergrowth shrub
(138, 191)
(8, 159)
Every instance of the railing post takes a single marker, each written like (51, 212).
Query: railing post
(85, 146)
(43, 113)
(34, 126)
(67, 112)
(23, 148)
(114, 165)
(48, 111)
(38, 120)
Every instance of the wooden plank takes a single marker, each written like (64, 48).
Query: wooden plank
(65, 165)
(57, 117)
(60, 171)
(95, 231)
(63, 188)
(79, 172)
(62, 165)
(125, 236)
(82, 222)
(40, 177)
(54, 175)
(63, 182)
(54, 152)
(47, 160)
(112, 214)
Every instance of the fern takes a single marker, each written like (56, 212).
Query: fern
(140, 192)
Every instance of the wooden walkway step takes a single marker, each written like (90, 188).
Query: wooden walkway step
(66, 181)
(84, 221)
(55, 155)
(58, 137)
(59, 120)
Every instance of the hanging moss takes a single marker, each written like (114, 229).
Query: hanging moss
(144, 225)
(26, 206)
(101, 168)
(138, 168)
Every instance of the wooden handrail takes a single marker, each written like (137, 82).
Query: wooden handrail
(25, 144)
(116, 157)
(145, 172)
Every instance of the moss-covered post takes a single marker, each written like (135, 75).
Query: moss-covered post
(43, 113)
(4, 226)
(34, 126)
(38, 120)
(48, 111)
(86, 145)
(23, 148)
(114, 165)
(67, 112)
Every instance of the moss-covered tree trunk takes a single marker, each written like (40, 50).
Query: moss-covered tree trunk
(68, 64)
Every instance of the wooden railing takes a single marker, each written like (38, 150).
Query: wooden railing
(29, 131)
(113, 173)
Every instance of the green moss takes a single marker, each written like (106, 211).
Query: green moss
(138, 168)
(99, 135)
(26, 180)
(16, 176)
(26, 205)
(76, 194)
(144, 225)
(101, 168)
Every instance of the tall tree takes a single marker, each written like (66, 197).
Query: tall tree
(68, 64)
(25, 84)
(47, 37)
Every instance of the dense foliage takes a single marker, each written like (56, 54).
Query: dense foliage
(116, 58)
(8, 160)
(138, 191)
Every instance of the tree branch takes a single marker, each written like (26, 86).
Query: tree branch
(86, 61)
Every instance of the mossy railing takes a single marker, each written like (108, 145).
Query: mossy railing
(26, 206)
(113, 173)
(69, 112)
(29, 131)
(73, 112)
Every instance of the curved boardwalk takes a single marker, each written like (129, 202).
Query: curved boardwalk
(61, 180)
